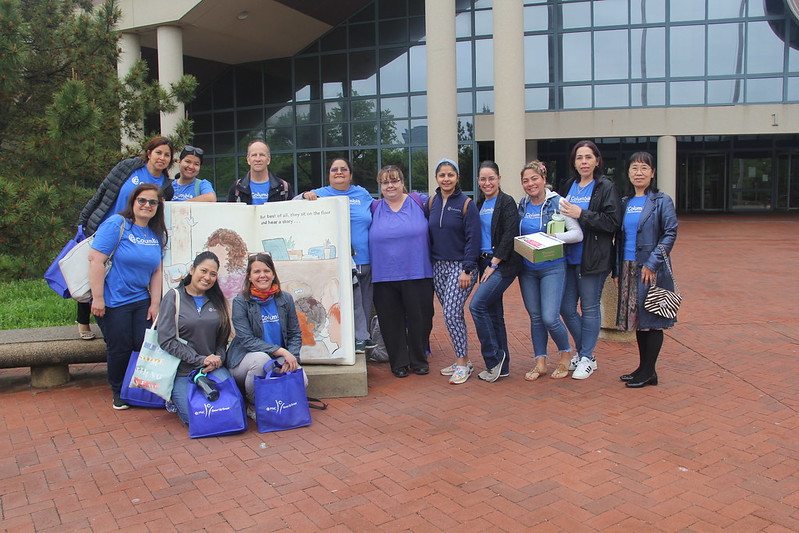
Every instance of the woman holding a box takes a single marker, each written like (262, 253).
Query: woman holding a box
(542, 283)
(645, 241)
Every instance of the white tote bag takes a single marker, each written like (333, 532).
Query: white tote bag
(75, 267)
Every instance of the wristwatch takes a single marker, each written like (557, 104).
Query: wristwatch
(492, 265)
(467, 272)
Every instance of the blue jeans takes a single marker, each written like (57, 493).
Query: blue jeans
(588, 290)
(489, 319)
(542, 292)
(180, 392)
(123, 330)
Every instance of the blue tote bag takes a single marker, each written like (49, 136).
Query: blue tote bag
(53, 275)
(224, 416)
(280, 400)
(136, 396)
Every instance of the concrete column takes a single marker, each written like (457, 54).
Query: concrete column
(130, 46)
(530, 150)
(509, 142)
(442, 83)
(667, 166)
(170, 69)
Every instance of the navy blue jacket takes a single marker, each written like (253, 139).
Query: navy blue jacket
(453, 236)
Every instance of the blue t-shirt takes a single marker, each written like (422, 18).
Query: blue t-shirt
(135, 260)
(486, 213)
(360, 218)
(198, 301)
(136, 178)
(186, 192)
(532, 222)
(399, 243)
(260, 192)
(271, 321)
(579, 196)
(631, 217)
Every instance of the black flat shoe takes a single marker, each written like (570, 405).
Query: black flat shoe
(400, 372)
(421, 371)
(627, 377)
(653, 380)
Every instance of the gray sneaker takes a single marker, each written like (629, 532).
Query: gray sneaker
(449, 370)
(495, 373)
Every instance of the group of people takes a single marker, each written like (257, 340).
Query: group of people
(407, 247)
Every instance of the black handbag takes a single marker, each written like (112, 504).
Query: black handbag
(660, 301)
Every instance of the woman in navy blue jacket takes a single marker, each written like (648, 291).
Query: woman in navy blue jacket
(454, 248)
(649, 228)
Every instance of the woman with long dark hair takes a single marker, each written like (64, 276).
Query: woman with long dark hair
(199, 337)
(591, 198)
(127, 300)
(645, 241)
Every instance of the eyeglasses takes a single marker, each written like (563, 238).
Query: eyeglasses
(390, 182)
(492, 179)
(193, 150)
(143, 201)
(339, 169)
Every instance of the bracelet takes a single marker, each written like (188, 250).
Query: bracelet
(492, 265)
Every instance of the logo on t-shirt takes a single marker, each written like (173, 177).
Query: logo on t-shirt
(269, 318)
(487, 211)
(135, 180)
(152, 241)
(632, 209)
(579, 199)
(355, 201)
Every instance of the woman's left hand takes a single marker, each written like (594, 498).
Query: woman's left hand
(291, 363)
(647, 276)
(152, 311)
(464, 280)
(486, 274)
(211, 363)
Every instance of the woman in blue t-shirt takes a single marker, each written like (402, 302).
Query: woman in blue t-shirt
(127, 300)
(340, 179)
(649, 229)
(591, 198)
(266, 326)
(542, 282)
(187, 187)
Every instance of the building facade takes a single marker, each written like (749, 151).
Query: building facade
(709, 86)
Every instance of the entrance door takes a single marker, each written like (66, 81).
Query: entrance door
(704, 178)
(751, 182)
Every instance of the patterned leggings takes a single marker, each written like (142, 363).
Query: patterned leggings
(452, 299)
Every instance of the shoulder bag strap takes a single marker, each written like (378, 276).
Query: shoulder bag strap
(465, 205)
(668, 267)
(119, 240)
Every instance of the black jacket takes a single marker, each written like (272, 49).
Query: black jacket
(93, 213)
(504, 228)
(278, 190)
(599, 222)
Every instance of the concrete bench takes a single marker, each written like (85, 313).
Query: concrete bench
(49, 352)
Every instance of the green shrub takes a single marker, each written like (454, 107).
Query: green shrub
(31, 304)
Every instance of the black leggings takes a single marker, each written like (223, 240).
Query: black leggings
(649, 344)
(84, 313)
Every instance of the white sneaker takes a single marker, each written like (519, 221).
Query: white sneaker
(574, 361)
(460, 375)
(585, 368)
(449, 370)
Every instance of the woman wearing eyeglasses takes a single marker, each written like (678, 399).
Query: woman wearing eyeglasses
(187, 187)
(340, 179)
(402, 273)
(127, 299)
(113, 194)
(497, 268)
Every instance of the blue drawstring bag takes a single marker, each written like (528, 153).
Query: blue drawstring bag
(53, 276)
(280, 400)
(136, 396)
(226, 415)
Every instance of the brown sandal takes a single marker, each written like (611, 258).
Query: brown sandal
(560, 372)
(534, 374)
(86, 335)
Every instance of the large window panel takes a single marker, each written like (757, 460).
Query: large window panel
(687, 92)
(725, 49)
(687, 10)
(394, 71)
(308, 114)
(647, 11)
(418, 59)
(576, 15)
(399, 157)
(485, 102)
(249, 119)
(577, 97)
(463, 58)
(536, 59)
(418, 133)
(225, 143)
(394, 131)
(576, 56)
(647, 94)
(364, 165)
(278, 139)
(764, 50)
(335, 135)
(419, 105)
(536, 18)
(393, 32)
(364, 133)
(335, 111)
(611, 56)
(363, 69)
(536, 99)
(309, 170)
(278, 85)
(394, 107)
(249, 85)
(363, 109)
(724, 92)
(726, 9)
(793, 90)
(282, 116)
(764, 90)
(334, 75)
(615, 95)
(306, 76)
(465, 103)
(483, 22)
(648, 53)
(362, 35)
(463, 24)
(465, 129)
(309, 136)
(687, 51)
(224, 120)
(610, 13)
(484, 62)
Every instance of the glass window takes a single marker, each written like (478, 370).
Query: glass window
(616, 95)
(536, 99)
(687, 51)
(577, 97)
(647, 11)
(363, 109)
(465, 103)
(463, 56)
(653, 62)
(278, 85)
(393, 131)
(576, 56)
(687, 10)
(764, 90)
(793, 60)
(308, 114)
(309, 170)
(485, 102)
(576, 15)
(204, 100)
(306, 75)
(393, 32)
(396, 156)
(793, 90)
(687, 92)
(364, 163)
(756, 9)
(416, 30)
(394, 107)
(484, 62)
(334, 75)
(611, 56)
(647, 94)
(536, 59)
(224, 143)
(202, 122)
(725, 48)
(419, 131)
(536, 18)
(307, 137)
(224, 121)
(764, 50)
(279, 139)
(362, 35)
(610, 12)
(483, 23)
(363, 67)
(393, 71)
(335, 39)
(249, 119)
(335, 134)
(418, 58)
(335, 112)
(463, 24)
(724, 91)
(465, 129)
(364, 133)
(419, 105)
(279, 116)
(419, 167)
(248, 86)
(223, 92)
(205, 142)
(391, 9)
(726, 9)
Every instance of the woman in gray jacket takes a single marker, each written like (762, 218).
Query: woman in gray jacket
(266, 325)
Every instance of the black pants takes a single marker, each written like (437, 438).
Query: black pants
(84, 313)
(123, 330)
(649, 344)
(405, 312)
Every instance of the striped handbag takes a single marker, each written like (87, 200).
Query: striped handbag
(660, 301)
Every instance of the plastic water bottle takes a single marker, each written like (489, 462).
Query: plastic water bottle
(207, 387)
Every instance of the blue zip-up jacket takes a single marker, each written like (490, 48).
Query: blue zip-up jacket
(453, 236)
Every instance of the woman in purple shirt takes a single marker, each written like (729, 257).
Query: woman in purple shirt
(402, 275)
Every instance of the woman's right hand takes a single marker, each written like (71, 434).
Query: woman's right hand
(309, 195)
(98, 306)
(291, 363)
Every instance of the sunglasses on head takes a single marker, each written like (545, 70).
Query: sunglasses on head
(142, 201)
(193, 150)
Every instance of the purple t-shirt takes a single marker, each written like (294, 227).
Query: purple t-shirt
(399, 243)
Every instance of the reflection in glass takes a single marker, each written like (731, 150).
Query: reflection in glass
(483, 23)
(576, 15)
(364, 133)
(416, 29)
(751, 182)
(536, 59)
(616, 95)
(335, 39)
(306, 75)
(277, 80)
(363, 67)
(463, 57)
(334, 75)
(248, 86)
(485, 102)
(610, 12)
(647, 11)
(484, 62)
(394, 107)
(576, 56)
(363, 109)
(463, 24)
(335, 112)
(309, 171)
(577, 97)
(793, 90)
(335, 134)
(687, 50)
(202, 122)
(393, 32)
(394, 71)
(764, 50)
(419, 105)
(396, 156)
(724, 91)
(364, 165)
(764, 90)
(419, 168)
(224, 121)
(465, 129)
(725, 48)
(653, 42)
(465, 103)
(418, 133)
(392, 131)
(647, 94)
(687, 92)
(687, 10)
(729, 9)
(610, 55)
(536, 99)
(308, 137)
(536, 18)
(418, 58)
(362, 35)
(307, 113)
(278, 139)
(279, 116)
(247, 119)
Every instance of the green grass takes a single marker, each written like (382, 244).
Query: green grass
(32, 304)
